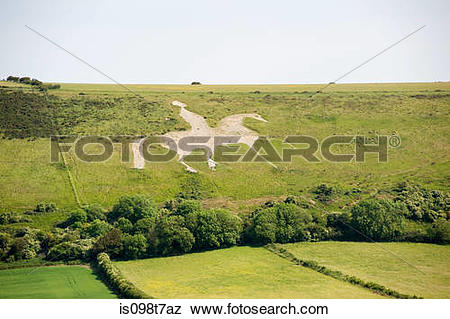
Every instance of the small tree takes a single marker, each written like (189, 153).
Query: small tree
(110, 243)
(379, 219)
(144, 225)
(134, 246)
(171, 237)
(5, 240)
(214, 228)
(124, 225)
(97, 228)
(187, 206)
(134, 208)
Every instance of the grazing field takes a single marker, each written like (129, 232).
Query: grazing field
(53, 282)
(239, 272)
(409, 268)
(418, 112)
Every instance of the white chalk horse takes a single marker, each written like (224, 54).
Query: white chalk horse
(229, 126)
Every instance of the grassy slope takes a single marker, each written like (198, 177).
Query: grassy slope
(59, 282)
(239, 272)
(354, 108)
(28, 177)
(371, 262)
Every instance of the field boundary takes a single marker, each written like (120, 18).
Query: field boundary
(336, 274)
(113, 278)
(6, 266)
(71, 181)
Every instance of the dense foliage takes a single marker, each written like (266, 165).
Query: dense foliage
(379, 220)
(137, 228)
(116, 282)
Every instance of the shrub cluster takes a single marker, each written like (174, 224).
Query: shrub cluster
(422, 205)
(136, 228)
(12, 218)
(284, 223)
(34, 82)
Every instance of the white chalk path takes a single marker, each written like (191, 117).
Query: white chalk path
(229, 126)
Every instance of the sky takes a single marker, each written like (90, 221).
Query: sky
(226, 42)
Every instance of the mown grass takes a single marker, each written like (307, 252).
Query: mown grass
(409, 268)
(53, 282)
(238, 272)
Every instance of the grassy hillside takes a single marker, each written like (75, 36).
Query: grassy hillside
(239, 272)
(55, 282)
(386, 264)
(418, 112)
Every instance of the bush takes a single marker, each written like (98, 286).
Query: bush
(339, 225)
(379, 219)
(186, 207)
(110, 243)
(214, 228)
(134, 208)
(25, 247)
(12, 78)
(45, 208)
(12, 218)
(35, 82)
(195, 83)
(440, 232)
(124, 225)
(143, 226)
(324, 193)
(422, 205)
(76, 219)
(18, 248)
(171, 237)
(97, 228)
(5, 241)
(115, 281)
(134, 246)
(282, 223)
(25, 80)
(78, 250)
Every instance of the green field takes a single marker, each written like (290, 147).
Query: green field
(409, 268)
(239, 272)
(53, 282)
(418, 112)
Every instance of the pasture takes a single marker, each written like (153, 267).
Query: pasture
(52, 282)
(409, 268)
(417, 112)
(238, 272)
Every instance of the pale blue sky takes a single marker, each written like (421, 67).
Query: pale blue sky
(226, 41)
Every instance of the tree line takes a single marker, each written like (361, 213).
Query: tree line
(34, 82)
(137, 228)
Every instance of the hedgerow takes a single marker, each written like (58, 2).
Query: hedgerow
(113, 278)
(377, 288)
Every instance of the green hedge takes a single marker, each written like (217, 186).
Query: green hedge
(379, 289)
(113, 278)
